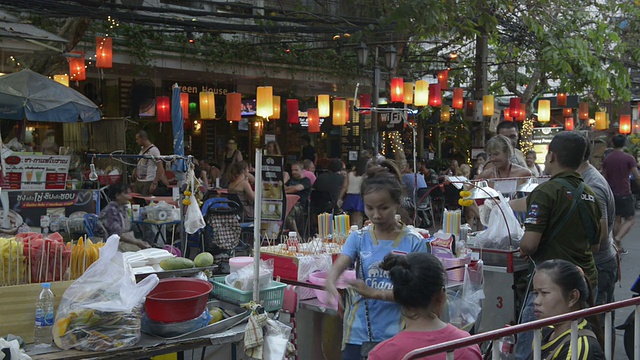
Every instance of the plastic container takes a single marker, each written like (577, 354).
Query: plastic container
(177, 299)
(272, 297)
(237, 263)
(43, 335)
(320, 278)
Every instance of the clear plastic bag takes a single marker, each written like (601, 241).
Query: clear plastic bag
(102, 309)
(193, 220)
(465, 307)
(496, 236)
(275, 340)
(243, 278)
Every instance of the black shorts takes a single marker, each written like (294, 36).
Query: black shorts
(625, 206)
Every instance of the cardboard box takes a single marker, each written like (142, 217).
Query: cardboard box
(18, 307)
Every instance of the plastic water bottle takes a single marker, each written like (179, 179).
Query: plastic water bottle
(44, 317)
(507, 347)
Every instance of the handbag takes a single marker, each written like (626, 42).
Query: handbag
(366, 346)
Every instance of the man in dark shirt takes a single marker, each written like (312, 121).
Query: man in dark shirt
(331, 182)
(301, 186)
(552, 231)
(617, 167)
(308, 151)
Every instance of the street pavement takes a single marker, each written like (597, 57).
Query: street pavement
(630, 272)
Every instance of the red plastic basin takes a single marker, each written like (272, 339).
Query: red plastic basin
(177, 300)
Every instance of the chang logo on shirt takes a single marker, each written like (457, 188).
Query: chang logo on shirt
(377, 278)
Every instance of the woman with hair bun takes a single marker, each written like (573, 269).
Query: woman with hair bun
(371, 315)
(419, 288)
(561, 287)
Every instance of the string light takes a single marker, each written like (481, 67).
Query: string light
(525, 135)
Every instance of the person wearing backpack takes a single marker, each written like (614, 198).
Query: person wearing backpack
(562, 220)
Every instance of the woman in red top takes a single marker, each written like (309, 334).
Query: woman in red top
(419, 287)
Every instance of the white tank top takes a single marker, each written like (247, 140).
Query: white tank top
(355, 183)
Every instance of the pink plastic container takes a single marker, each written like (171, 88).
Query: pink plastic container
(320, 278)
(237, 263)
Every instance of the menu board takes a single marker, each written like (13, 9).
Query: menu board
(273, 202)
(37, 172)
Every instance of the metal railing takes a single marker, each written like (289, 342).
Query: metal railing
(537, 326)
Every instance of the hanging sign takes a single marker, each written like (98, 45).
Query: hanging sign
(37, 172)
(391, 121)
(273, 201)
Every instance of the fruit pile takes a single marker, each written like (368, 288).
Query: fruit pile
(83, 254)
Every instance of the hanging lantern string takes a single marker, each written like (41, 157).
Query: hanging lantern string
(375, 108)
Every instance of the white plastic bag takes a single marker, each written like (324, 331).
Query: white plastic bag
(101, 310)
(243, 278)
(193, 220)
(465, 306)
(496, 235)
(275, 340)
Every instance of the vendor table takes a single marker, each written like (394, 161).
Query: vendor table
(157, 226)
(148, 346)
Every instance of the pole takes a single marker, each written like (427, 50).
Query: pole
(376, 100)
(257, 216)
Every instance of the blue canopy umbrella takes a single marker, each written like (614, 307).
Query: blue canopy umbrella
(27, 95)
(177, 124)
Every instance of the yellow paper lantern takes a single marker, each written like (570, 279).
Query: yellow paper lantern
(324, 107)
(62, 79)
(421, 97)
(339, 112)
(264, 101)
(445, 114)
(276, 107)
(408, 93)
(544, 110)
(207, 105)
(601, 120)
(488, 103)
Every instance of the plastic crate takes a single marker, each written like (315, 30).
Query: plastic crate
(271, 297)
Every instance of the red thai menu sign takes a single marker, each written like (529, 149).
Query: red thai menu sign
(36, 172)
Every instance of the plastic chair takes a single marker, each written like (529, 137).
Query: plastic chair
(90, 224)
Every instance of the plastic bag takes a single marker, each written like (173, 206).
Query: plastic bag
(275, 340)
(496, 235)
(243, 278)
(102, 309)
(465, 307)
(193, 220)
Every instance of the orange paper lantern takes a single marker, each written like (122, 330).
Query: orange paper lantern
(163, 109)
(443, 79)
(435, 95)
(625, 124)
(523, 113)
(104, 52)
(184, 104)
(234, 106)
(397, 89)
(568, 124)
(507, 115)
(458, 98)
(408, 93)
(562, 99)
(567, 112)
(313, 120)
(77, 70)
(583, 111)
(293, 107)
(276, 107)
(339, 112)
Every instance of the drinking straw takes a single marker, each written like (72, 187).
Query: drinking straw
(46, 273)
(55, 262)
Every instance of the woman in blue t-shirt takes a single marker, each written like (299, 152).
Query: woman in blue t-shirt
(374, 317)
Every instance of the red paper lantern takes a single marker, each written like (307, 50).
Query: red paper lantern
(625, 124)
(443, 79)
(583, 111)
(562, 99)
(365, 102)
(514, 107)
(568, 124)
(77, 70)
(313, 119)
(397, 89)
(523, 113)
(567, 112)
(458, 98)
(163, 109)
(507, 115)
(435, 95)
(184, 104)
(234, 106)
(104, 52)
(293, 107)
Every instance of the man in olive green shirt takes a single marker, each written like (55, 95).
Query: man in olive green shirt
(548, 233)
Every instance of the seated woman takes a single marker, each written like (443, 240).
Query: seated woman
(419, 287)
(238, 175)
(114, 219)
(561, 287)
